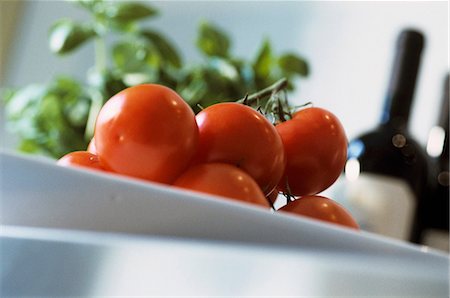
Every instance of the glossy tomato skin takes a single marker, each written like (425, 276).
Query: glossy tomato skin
(147, 131)
(91, 147)
(316, 150)
(237, 134)
(223, 180)
(321, 208)
(81, 159)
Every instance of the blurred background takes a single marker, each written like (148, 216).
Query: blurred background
(348, 45)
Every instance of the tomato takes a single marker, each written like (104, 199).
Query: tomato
(223, 180)
(316, 150)
(91, 146)
(321, 208)
(147, 131)
(237, 134)
(80, 159)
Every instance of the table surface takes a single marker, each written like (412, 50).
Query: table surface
(54, 262)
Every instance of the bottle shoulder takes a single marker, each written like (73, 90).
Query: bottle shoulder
(390, 152)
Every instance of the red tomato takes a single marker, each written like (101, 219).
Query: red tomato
(91, 147)
(321, 208)
(147, 131)
(316, 151)
(80, 159)
(223, 180)
(237, 134)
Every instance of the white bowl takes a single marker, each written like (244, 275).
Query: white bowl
(39, 193)
(144, 231)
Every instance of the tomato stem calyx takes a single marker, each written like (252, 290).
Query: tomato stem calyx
(288, 193)
(271, 102)
(268, 91)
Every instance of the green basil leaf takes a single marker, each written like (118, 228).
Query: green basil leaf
(6, 94)
(193, 92)
(246, 74)
(61, 117)
(91, 5)
(165, 49)
(168, 77)
(124, 12)
(77, 112)
(224, 68)
(72, 101)
(30, 146)
(212, 41)
(49, 119)
(264, 61)
(67, 35)
(137, 78)
(130, 56)
(23, 99)
(293, 64)
(107, 82)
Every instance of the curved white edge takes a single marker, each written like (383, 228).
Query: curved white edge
(36, 192)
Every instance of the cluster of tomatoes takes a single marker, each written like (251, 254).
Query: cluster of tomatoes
(228, 149)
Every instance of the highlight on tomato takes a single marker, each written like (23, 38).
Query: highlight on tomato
(91, 147)
(316, 150)
(321, 208)
(147, 131)
(223, 180)
(80, 159)
(239, 135)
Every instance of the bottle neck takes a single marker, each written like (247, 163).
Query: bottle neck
(402, 83)
(443, 121)
(444, 157)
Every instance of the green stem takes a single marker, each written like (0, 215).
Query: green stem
(274, 88)
(100, 55)
(96, 105)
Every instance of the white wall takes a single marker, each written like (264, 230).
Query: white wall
(349, 46)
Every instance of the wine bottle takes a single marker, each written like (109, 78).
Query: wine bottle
(436, 212)
(386, 167)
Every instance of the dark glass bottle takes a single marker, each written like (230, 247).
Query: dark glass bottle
(436, 217)
(388, 167)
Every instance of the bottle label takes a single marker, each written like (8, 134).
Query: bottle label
(437, 239)
(381, 204)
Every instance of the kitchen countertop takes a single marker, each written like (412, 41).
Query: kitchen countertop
(50, 262)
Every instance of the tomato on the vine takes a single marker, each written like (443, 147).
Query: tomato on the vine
(321, 208)
(223, 180)
(239, 135)
(316, 150)
(80, 159)
(147, 131)
(91, 147)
